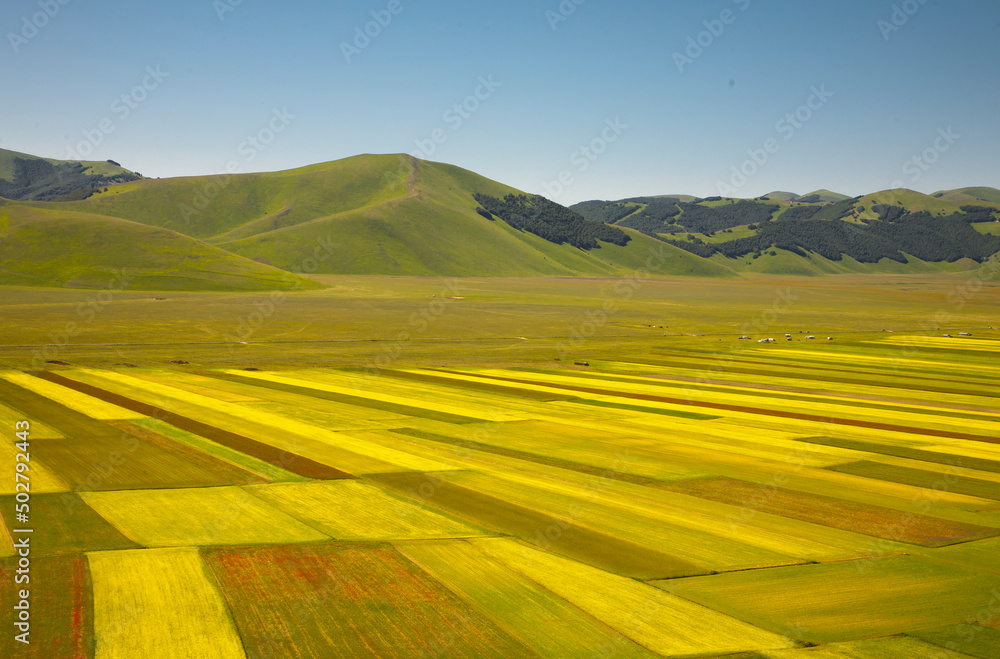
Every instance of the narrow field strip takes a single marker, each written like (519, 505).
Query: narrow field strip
(980, 642)
(894, 647)
(847, 601)
(193, 517)
(91, 406)
(350, 510)
(576, 541)
(909, 453)
(838, 513)
(292, 444)
(754, 410)
(919, 478)
(800, 539)
(351, 396)
(654, 619)
(524, 455)
(341, 601)
(471, 385)
(229, 473)
(159, 603)
(547, 623)
(265, 470)
(297, 464)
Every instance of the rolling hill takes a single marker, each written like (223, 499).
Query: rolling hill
(397, 215)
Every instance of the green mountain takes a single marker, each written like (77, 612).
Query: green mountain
(397, 215)
(377, 214)
(781, 196)
(30, 178)
(890, 231)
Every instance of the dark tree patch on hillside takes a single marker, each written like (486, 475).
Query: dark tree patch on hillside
(799, 213)
(708, 219)
(603, 211)
(837, 211)
(550, 221)
(40, 180)
(888, 212)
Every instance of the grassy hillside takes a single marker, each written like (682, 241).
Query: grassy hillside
(371, 214)
(970, 195)
(41, 247)
(824, 196)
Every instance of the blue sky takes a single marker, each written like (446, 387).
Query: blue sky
(575, 101)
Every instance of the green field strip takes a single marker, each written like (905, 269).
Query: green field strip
(349, 601)
(575, 541)
(265, 470)
(62, 609)
(66, 421)
(905, 419)
(69, 398)
(159, 603)
(124, 462)
(846, 601)
(819, 384)
(909, 453)
(866, 519)
(485, 387)
(855, 379)
(524, 455)
(199, 516)
(230, 473)
(351, 510)
(918, 478)
(757, 390)
(548, 442)
(753, 410)
(652, 526)
(978, 555)
(657, 620)
(643, 410)
(43, 479)
(9, 418)
(970, 640)
(64, 524)
(781, 534)
(545, 622)
(288, 437)
(295, 463)
(347, 399)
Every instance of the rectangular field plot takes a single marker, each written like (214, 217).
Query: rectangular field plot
(847, 601)
(64, 524)
(654, 619)
(548, 624)
(349, 510)
(343, 601)
(838, 513)
(159, 603)
(188, 517)
(62, 612)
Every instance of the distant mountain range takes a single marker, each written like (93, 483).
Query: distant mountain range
(67, 224)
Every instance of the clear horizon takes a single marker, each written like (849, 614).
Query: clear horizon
(574, 100)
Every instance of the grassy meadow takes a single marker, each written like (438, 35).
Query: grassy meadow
(425, 467)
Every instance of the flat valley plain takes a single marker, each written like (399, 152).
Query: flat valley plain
(402, 467)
